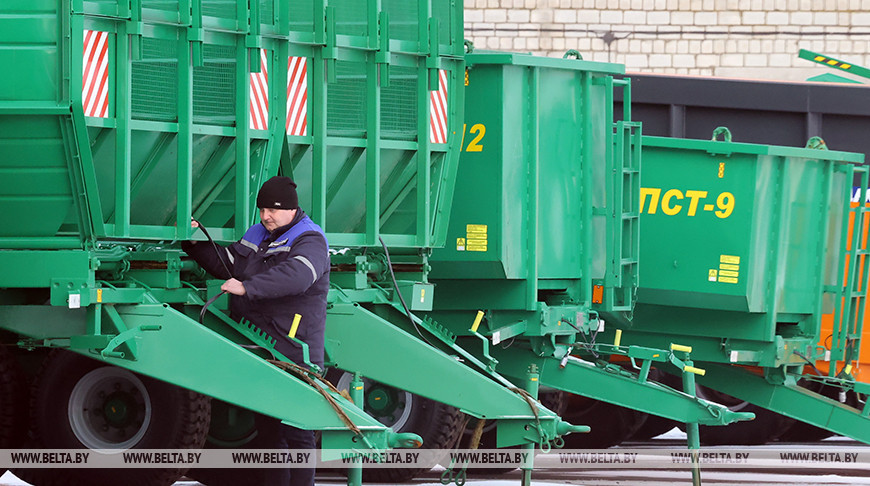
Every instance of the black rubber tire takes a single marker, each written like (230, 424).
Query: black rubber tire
(439, 425)
(13, 403)
(804, 432)
(179, 419)
(767, 426)
(611, 424)
(653, 425)
(555, 400)
(244, 437)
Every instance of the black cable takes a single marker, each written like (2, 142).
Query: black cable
(214, 245)
(218, 252)
(396, 289)
(208, 303)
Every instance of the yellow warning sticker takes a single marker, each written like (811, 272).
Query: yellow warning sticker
(728, 280)
(476, 239)
(728, 273)
(734, 260)
(460, 244)
(727, 266)
(475, 228)
(712, 275)
(99, 295)
(475, 246)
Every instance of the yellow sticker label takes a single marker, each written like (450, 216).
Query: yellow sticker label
(734, 260)
(728, 273)
(711, 276)
(99, 295)
(728, 280)
(460, 244)
(475, 238)
(475, 228)
(727, 266)
(721, 169)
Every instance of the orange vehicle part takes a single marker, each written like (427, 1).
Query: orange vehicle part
(860, 369)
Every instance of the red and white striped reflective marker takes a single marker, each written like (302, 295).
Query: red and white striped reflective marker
(260, 95)
(95, 74)
(438, 110)
(297, 96)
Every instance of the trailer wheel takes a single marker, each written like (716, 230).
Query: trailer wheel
(766, 427)
(653, 425)
(13, 403)
(79, 403)
(804, 432)
(438, 424)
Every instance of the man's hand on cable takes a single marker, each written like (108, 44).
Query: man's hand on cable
(234, 287)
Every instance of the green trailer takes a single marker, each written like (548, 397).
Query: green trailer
(744, 247)
(544, 239)
(602, 256)
(125, 119)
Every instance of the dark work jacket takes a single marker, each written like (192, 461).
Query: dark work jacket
(285, 273)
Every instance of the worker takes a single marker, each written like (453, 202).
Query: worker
(280, 268)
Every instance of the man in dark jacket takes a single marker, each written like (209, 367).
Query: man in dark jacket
(280, 268)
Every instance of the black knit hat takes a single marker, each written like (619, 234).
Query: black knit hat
(278, 193)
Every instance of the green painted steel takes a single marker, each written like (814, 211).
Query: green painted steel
(189, 116)
(545, 212)
(528, 214)
(741, 248)
(792, 400)
(168, 347)
(178, 140)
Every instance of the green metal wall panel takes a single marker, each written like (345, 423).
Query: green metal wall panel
(739, 242)
(176, 139)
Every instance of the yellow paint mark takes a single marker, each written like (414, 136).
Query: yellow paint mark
(477, 319)
(295, 326)
(656, 355)
(732, 259)
(819, 58)
(845, 66)
(721, 169)
(99, 295)
(534, 379)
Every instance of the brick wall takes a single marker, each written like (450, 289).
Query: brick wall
(736, 38)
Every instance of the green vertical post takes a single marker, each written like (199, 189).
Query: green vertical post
(317, 106)
(185, 136)
(424, 156)
(357, 396)
(243, 132)
(693, 434)
(532, 131)
(532, 386)
(587, 185)
(123, 134)
(373, 151)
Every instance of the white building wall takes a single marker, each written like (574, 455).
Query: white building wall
(734, 38)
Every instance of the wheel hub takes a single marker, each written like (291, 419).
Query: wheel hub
(109, 408)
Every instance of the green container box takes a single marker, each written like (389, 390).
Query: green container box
(739, 243)
(535, 207)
